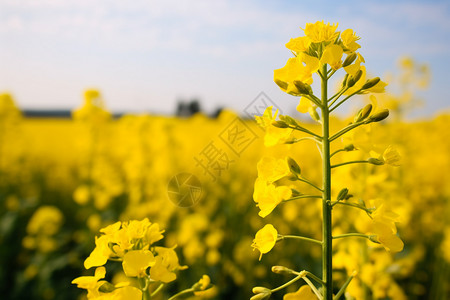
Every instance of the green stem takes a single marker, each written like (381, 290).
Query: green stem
(337, 96)
(287, 283)
(353, 234)
(346, 129)
(342, 290)
(349, 162)
(188, 291)
(143, 284)
(336, 152)
(310, 183)
(369, 211)
(302, 197)
(303, 139)
(300, 238)
(327, 244)
(345, 99)
(314, 277)
(298, 128)
(159, 288)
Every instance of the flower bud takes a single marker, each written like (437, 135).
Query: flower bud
(379, 116)
(375, 161)
(280, 124)
(344, 82)
(107, 288)
(262, 293)
(349, 147)
(314, 115)
(358, 76)
(302, 87)
(363, 113)
(293, 166)
(349, 59)
(371, 83)
(289, 120)
(342, 194)
(373, 238)
(281, 270)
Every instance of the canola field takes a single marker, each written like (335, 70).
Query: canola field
(160, 207)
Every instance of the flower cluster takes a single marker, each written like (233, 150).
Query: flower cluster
(132, 244)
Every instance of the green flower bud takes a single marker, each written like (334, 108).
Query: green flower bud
(280, 124)
(342, 194)
(358, 76)
(344, 82)
(314, 115)
(373, 238)
(379, 116)
(289, 120)
(281, 270)
(375, 161)
(262, 293)
(302, 87)
(371, 83)
(293, 166)
(363, 113)
(349, 59)
(107, 288)
(349, 147)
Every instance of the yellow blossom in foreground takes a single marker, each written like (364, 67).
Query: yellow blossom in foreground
(268, 196)
(135, 262)
(320, 32)
(274, 135)
(90, 282)
(332, 55)
(271, 169)
(299, 44)
(265, 239)
(303, 293)
(349, 39)
(391, 157)
(294, 70)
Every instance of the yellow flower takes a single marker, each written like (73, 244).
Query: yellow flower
(125, 293)
(383, 226)
(386, 236)
(349, 39)
(294, 70)
(332, 55)
(299, 44)
(391, 157)
(377, 88)
(90, 282)
(303, 293)
(265, 239)
(274, 135)
(271, 169)
(135, 262)
(267, 196)
(320, 32)
(99, 256)
(154, 234)
(160, 271)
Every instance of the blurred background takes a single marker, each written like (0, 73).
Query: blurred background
(103, 103)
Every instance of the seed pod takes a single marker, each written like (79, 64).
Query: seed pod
(371, 83)
(349, 59)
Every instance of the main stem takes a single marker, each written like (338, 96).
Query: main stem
(327, 246)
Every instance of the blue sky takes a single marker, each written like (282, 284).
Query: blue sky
(144, 55)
